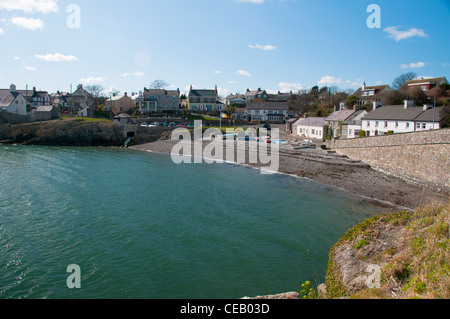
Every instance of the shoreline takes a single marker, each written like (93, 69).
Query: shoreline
(331, 170)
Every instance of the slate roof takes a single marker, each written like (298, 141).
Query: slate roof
(340, 116)
(355, 117)
(7, 97)
(311, 122)
(395, 113)
(44, 108)
(432, 80)
(431, 115)
(283, 106)
(203, 93)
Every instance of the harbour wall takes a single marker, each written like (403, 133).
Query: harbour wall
(421, 158)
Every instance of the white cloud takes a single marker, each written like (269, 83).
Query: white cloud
(93, 80)
(243, 73)
(16, 58)
(267, 47)
(30, 6)
(287, 87)
(329, 80)
(139, 74)
(1, 31)
(394, 33)
(417, 65)
(28, 23)
(217, 72)
(30, 68)
(357, 83)
(223, 92)
(57, 57)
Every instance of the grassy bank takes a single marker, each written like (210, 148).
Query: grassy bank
(410, 248)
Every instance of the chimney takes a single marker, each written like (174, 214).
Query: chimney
(191, 87)
(364, 86)
(126, 94)
(12, 88)
(216, 87)
(426, 107)
(248, 90)
(335, 108)
(408, 103)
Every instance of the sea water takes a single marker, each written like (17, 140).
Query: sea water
(139, 226)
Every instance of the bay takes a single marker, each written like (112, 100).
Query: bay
(142, 227)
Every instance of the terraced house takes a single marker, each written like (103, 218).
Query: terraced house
(160, 101)
(204, 100)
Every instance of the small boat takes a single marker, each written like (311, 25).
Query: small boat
(301, 146)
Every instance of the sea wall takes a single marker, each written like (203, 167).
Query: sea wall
(421, 158)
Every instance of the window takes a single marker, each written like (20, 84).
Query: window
(377, 124)
(418, 126)
(313, 132)
(407, 125)
(385, 124)
(424, 126)
(368, 124)
(396, 124)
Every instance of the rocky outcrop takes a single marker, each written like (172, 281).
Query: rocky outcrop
(63, 133)
(77, 132)
(285, 296)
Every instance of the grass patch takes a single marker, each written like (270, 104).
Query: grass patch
(86, 119)
(417, 268)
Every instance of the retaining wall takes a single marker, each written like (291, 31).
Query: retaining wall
(422, 158)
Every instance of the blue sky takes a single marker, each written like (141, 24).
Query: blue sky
(234, 44)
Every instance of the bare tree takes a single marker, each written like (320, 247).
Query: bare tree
(94, 90)
(401, 79)
(159, 85)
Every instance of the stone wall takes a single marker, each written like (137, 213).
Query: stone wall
(6, 117)
(422, 158)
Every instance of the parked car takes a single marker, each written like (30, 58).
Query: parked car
(144, 124)
(155, 124)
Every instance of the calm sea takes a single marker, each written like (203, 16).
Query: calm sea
(139, 226)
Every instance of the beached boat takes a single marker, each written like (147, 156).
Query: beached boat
(306, 144)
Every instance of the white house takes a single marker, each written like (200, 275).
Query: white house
(12, 101)
(401, 119)
(311, 127)
(267, 111)
(430, 119)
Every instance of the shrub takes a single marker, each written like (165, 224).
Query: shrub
(308, 291)
(362, 133)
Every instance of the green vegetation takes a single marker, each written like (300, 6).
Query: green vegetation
(308, 291)
(417, 268)
(86, 119)
(202, 118)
